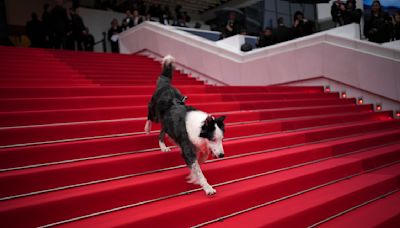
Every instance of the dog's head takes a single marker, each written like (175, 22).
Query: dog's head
(213, 131)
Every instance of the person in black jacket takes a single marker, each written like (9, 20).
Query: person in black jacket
(231, 27)
(396, 26)
(36, 32)
(282, 33)
(127, 22)
(78, 28)
(265, 38)
(302, 26)
(59, 24)
(87, 40)
(377, 27)
(337, 11)
(69, 42)
(46, 20)
(112, 32)
(351, 14)
(352, 3)
(137, 19)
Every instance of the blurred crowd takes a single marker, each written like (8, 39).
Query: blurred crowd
(139, 12)
(379, 26)
(147, 11)
(59, 28)
(342, 14)
(301, 27)
(64, 28)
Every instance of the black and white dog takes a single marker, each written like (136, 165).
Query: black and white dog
(197, 133)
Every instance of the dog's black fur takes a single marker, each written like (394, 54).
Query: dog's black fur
(165, 95)
(173, 117)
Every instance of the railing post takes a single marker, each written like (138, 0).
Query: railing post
(104, 42)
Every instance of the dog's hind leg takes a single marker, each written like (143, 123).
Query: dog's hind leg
(202, 179)
(161, 137)
(147, 127)
(150, 118)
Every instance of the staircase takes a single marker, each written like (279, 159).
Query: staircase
(73, 152)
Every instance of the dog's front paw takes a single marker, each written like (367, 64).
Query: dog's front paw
(209, 190)
(165, 149)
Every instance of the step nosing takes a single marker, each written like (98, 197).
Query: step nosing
(322, 128)
(42, 100)
(73, 123)
(104, 108)
(89, 183)
(222, 94)
(80, 159)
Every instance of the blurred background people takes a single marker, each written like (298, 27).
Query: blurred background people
(377, 27)
(35, 30)
(113, 34)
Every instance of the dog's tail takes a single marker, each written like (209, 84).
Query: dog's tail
(168, 66)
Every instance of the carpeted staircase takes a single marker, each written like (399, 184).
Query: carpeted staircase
(73, 151)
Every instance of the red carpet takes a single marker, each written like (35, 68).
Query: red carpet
(73, 151)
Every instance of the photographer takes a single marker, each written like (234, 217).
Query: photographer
(265, 38)
(352, 15)
(396, 26)
(378, 27)
(302, 26)
(113, 35)
(338, 9)
(232, 26)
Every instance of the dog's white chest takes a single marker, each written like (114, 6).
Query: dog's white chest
(194, 121)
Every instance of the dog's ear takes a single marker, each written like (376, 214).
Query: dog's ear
(220, 122)
(207, 127)
(220, 119)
